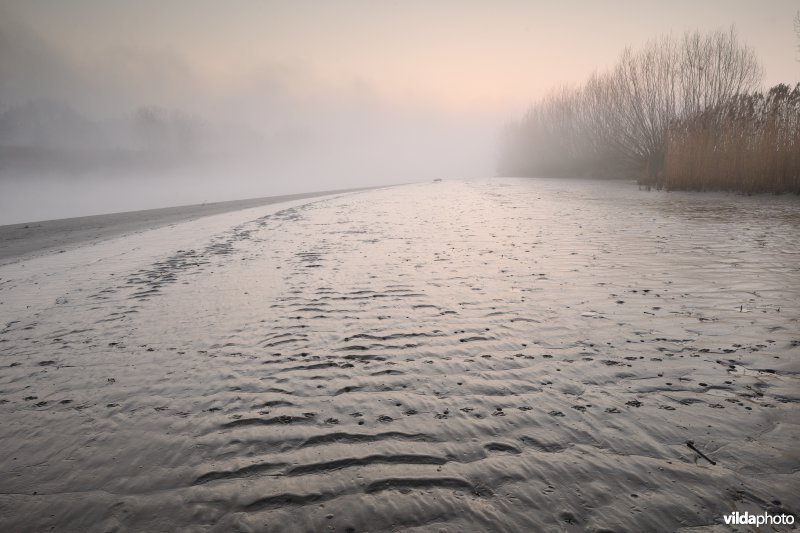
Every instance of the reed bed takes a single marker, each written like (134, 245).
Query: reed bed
(677, 114)
(750, 144)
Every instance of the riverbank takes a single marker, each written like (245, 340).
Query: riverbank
(30, 238)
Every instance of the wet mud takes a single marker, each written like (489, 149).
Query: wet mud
(496, 355)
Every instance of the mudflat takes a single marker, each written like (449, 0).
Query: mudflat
(21, 240)
(489, 355)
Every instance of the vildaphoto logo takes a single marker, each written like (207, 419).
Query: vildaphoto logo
(745, 518)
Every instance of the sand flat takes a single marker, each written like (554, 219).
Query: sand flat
(23, 240)
(490, 355)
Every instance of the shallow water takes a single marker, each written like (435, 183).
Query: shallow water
(510, 355)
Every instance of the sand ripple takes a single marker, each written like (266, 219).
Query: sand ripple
(503, 355)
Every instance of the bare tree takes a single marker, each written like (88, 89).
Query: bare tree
(618, 121)
(797, 30)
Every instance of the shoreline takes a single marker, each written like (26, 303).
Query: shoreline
(25, 239)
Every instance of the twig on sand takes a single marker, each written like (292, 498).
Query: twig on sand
(690, 444)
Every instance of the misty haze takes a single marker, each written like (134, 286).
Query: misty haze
(358, 266)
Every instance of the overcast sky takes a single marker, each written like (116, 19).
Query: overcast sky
(471, 56)
(435, 78)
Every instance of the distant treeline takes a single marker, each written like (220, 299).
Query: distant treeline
(681, 113)
(49, 136)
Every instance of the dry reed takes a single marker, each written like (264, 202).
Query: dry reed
(680, 114)
(750, 144)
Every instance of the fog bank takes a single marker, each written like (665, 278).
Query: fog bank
(107, 106)
(133, 128)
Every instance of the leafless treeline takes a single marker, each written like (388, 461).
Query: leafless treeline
(50, 136)
(639, 118)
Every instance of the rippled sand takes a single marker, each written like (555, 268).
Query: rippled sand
(23, 240)
(510, 355)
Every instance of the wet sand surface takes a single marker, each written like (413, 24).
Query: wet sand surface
(497, 355)
(17, 241)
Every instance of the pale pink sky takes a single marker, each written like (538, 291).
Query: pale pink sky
(465, 56)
